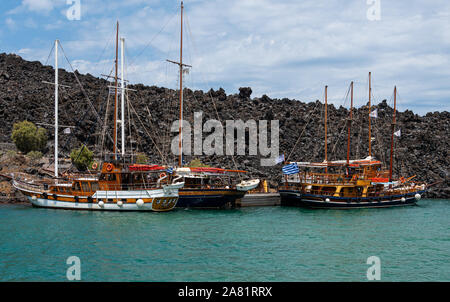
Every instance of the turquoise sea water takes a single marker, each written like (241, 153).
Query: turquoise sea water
(249, 244)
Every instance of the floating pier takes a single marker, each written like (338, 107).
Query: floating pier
(259, 200)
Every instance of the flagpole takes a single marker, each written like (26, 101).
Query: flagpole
(349, 126)
(392, 133)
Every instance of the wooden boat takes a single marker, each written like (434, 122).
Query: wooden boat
(212, 187)
(120, 185)
(344, 184)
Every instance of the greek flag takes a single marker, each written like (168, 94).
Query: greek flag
(169, 170)
(290, 169)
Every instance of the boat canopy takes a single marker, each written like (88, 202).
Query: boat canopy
(137, 167)
(206, 170)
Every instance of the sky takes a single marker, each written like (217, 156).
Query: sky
(284, 48)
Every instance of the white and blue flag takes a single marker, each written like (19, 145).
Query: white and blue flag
(169, 170)
(290, 169)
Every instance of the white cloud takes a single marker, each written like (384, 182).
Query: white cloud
(10, 23)
(37, 6)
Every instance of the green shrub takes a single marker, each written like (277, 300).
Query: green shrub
(196, 163)
(34, 155)
(141, 158)
(82, 158)
(27, 137)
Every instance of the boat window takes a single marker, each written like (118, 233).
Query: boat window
(85, 186)
(77, 186)
(111, 177)
(94, 186)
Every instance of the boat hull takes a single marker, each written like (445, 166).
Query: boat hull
(297, 199)
(208, 198)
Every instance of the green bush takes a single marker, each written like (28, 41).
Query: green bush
(196, 163)
(34, 155)
(141, 158)
(27, 137)
(82, 158)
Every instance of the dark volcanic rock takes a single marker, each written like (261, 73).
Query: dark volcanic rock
(245, 92)
(422, 149)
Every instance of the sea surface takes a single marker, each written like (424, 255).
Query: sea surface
(248, 244)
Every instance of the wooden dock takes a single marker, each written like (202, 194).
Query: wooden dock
(259, 200)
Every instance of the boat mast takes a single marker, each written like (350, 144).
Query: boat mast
(180, 142)
(181, 65)
(349, 124)
(370, 99)
(326, 140)
(115, 93)
(392, 133)
(122, 95)
(56, 108)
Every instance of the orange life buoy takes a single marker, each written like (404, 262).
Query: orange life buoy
(163, 174)
(109, 167)
(402, 179)
(94, 166)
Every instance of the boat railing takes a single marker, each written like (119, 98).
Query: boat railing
(209, 186)
(371, 192)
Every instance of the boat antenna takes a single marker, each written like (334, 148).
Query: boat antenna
(349, 125)
(392, 133)
(326, 140)
(181, 65)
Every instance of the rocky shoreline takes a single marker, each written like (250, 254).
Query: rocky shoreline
(422, 149)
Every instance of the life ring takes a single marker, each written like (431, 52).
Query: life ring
(94, 166)
(402, 179)
(354, 177)
(163, 174)
(109, 167)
